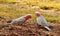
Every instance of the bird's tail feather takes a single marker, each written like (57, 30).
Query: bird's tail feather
(47, 28)
(9, 21)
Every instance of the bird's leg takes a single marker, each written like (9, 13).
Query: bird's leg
(39, 26)
(20, 23)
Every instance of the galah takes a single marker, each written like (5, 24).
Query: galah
(21, 20)
(42, 21)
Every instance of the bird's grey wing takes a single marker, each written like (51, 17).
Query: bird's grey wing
(44, 22)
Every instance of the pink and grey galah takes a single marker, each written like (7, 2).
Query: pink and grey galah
(42, 21)
(21, 20)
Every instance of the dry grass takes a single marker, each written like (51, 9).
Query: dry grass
(11, 11)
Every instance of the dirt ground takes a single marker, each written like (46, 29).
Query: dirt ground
(29, 28)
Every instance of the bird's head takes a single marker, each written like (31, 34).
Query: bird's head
(28, 16)
(37, 14)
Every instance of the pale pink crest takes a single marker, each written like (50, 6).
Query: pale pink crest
(37, 14)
